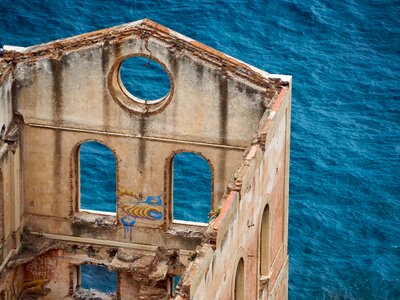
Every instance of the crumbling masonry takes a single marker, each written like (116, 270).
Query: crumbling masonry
(55, 96)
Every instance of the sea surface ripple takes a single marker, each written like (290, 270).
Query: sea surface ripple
(344, 56)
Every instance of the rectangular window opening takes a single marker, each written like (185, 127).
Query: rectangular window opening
(97, 171)
(95, 282)
(191, 189)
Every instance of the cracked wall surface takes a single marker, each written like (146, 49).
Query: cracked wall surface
(56, 96)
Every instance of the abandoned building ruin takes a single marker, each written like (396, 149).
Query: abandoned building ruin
(57, 96)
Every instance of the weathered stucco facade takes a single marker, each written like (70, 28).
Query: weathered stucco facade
(56, 96)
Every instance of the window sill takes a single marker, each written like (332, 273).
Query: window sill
(98, 212)
(189, 223)
(95, 218)
(188, 229)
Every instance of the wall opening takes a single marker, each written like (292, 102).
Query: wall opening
(239, 291)
(97, 178)
(96, 278)
(177, 278)
(174, 282)
(144, 80)
(264, 243)
(191, 187)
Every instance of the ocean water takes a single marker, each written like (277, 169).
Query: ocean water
(344, 230)
(138, 70)
(192, 187)
(98, 168)
(102, 276)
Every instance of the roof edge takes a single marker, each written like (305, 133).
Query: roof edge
(145, 29)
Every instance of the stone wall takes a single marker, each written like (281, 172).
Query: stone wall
(56, 96)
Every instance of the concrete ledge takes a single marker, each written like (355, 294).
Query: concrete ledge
(221, 225)
(95, 218)
(68, 238)
(189, 223)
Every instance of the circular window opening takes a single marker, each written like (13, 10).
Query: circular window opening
(144, 80)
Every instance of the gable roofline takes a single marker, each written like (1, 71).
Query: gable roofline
(146, 29)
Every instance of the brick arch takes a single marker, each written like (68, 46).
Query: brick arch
(263, 263)
(240, 255)
(74, 174)
(168, 218)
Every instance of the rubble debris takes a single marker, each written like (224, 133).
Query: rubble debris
(31, 247)
(152, 267)
(82, 294)
(95, 220)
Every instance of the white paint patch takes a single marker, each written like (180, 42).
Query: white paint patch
(271, 115)
(14, 48)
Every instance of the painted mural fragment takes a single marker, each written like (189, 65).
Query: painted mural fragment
(33, 289)
(135, 206)
(27, 289)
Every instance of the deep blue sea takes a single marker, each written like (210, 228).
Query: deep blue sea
(344, 56)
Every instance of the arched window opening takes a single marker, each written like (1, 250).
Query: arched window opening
(97, 178)
(191, 187)
(264, 243)
(239, 281)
